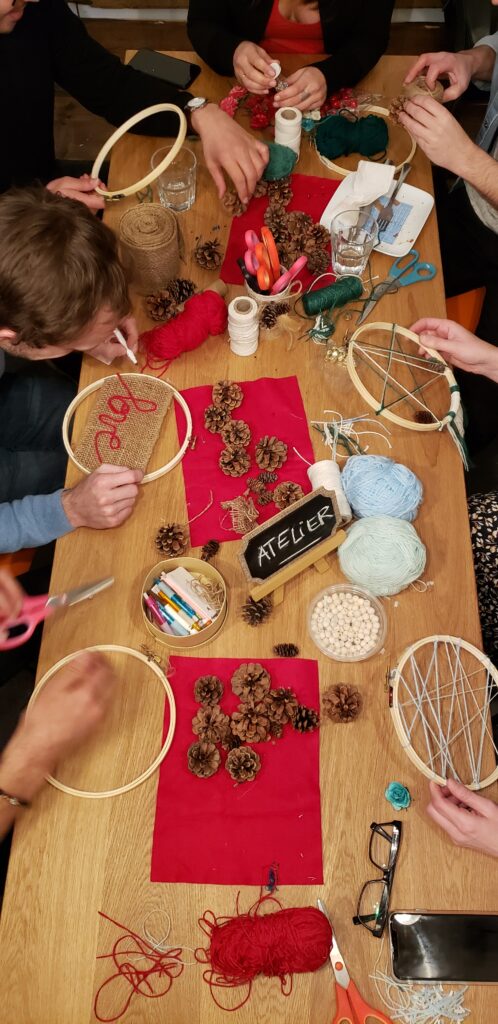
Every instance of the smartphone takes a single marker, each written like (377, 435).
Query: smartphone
(170, 69)
(427, 946)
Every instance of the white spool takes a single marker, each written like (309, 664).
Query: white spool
(288, 122)
(327, 474)
(243, 326)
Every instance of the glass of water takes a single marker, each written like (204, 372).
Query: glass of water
(176, 185)
(353, 235)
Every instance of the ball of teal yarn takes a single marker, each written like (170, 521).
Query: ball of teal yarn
(382, 554)
(337, 136)
(281, 163)
(378, 486)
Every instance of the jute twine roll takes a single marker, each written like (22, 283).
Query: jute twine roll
(149, 235)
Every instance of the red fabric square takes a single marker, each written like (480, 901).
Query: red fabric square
(311, 195)
(271, 406)
(215, 832)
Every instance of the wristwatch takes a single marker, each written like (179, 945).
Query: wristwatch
(14, 801)
(196, 103)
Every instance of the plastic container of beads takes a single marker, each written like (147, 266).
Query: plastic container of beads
(206, 575)
(363, 624)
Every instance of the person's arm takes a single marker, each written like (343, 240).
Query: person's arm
(211, 32)
(458, 346)
(32, 521)
(470, 820)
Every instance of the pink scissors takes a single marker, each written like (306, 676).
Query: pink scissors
(351, 1008)
(35, 609)
(289, 275)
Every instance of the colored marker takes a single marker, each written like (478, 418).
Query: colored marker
(122, 341)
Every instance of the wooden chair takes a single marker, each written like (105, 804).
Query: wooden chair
(466, 308)
(17, 562)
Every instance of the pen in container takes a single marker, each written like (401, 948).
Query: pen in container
(122, 341)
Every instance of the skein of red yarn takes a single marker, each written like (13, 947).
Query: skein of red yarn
(278, 944)
(204, 315)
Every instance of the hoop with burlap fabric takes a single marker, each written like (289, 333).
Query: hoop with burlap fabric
(149, 234)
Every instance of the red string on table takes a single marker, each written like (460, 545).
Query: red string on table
(204, 315)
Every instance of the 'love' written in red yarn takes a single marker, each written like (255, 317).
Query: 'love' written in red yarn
(119, 406)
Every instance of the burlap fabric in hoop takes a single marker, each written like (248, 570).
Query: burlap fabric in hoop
(123, 425)
(149, 236)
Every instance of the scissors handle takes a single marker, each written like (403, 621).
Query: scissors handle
(399, 271)
(34, 610)
(354, 1008)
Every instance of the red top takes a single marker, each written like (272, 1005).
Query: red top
(285, 36)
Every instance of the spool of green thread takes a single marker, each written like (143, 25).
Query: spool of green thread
(334, 295)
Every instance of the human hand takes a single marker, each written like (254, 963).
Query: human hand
(227, 147)
(458, 67)
(82, 189)
(438, 134)
(306, 90)
(469, 819)
(458, 346)
(252, 68)
(107, 351)
(11, 598)
(104, 499)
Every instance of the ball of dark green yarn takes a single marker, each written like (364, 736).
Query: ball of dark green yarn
(337, 136)
(281, 163)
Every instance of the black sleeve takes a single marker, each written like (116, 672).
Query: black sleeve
(211, 37)
(98, 79)
(357, 50)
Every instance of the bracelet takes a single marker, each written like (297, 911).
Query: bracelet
(13, 800)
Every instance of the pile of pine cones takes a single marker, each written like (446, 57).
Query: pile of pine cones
(165, 304)
(261, 715)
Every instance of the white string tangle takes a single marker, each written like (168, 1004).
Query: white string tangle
(416, 1004)
(441, 709)
(161, 945)
(339, 431)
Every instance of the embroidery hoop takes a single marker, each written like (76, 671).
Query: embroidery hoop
(433, 732)
(70, 411)
(343, 171)
(131, 190)
(116, 648)
(454, 390)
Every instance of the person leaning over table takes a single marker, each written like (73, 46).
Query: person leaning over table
(68, 710)
(43, 43)
(62, 289)
(238, 37)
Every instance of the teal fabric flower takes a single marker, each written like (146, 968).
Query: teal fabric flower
(398, 795)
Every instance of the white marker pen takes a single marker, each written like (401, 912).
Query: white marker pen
(121, 338)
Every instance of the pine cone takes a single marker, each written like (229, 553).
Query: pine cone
(318, 261)
(236, 434)
(255, 485)
(182, 288)
(229, 741)
(287, 493)
(161, 306)
(276, 730)
(172, 539)
(396, 107)
(342, 703)
(267, 477)
(209, 550)
(279, 192)
(210, 723)
(234, 461)
(265, 497)
(275, 218)
(271, 453)
(251, 723)
(271, 313)
(261, 189)
(281, 705)
(232, 204)
(227, 394)
(286, 650)
(243, 764)
(209, 254)
(215, 418)
(305, 719)
(208, 690)
(255, 612)
(251, 681)
(317, 236)
(203, 759)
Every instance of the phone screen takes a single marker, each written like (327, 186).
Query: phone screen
(444, 947)
(169, 69)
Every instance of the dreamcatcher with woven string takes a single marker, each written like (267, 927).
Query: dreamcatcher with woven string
(444, 706)
(411, 388)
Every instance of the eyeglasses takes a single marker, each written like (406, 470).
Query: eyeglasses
(373, 903)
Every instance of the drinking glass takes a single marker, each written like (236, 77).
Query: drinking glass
(176, 185)
(353, 236)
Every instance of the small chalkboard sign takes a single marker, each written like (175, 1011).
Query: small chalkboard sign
(290, 541)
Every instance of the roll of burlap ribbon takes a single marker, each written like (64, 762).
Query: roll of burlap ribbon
(148, 235)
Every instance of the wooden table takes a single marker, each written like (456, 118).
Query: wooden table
(73, 857)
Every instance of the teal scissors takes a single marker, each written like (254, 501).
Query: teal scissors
(35, 609)
(405, 270)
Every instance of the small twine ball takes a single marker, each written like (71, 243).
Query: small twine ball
(382, 554)
(378, 486)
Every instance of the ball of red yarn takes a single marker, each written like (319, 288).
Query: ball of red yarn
(292, 941)
(204, 315)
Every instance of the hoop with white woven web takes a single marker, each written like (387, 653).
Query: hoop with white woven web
(442, 695)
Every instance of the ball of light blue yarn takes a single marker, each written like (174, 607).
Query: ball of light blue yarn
(382, 554)
(378, 486)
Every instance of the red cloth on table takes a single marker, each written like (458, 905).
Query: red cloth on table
(271, 406)
(311, 194)
(212, 831)
(285, 36)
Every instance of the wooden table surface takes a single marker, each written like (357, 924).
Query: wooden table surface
(72, 857)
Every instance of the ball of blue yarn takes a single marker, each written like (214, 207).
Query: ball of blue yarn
(382, 554)
(378, 486)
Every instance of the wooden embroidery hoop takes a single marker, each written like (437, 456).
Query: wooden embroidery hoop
(70, 411)
(397, 717)
(343, 171)
(373, 403)
(130, 190)
(116, 648)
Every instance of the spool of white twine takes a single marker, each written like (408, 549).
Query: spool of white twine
(288, 121)
(243, 326)
(327, 474)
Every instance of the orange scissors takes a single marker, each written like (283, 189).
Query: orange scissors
(35, 609)
(350, 1007)
(258, 262)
